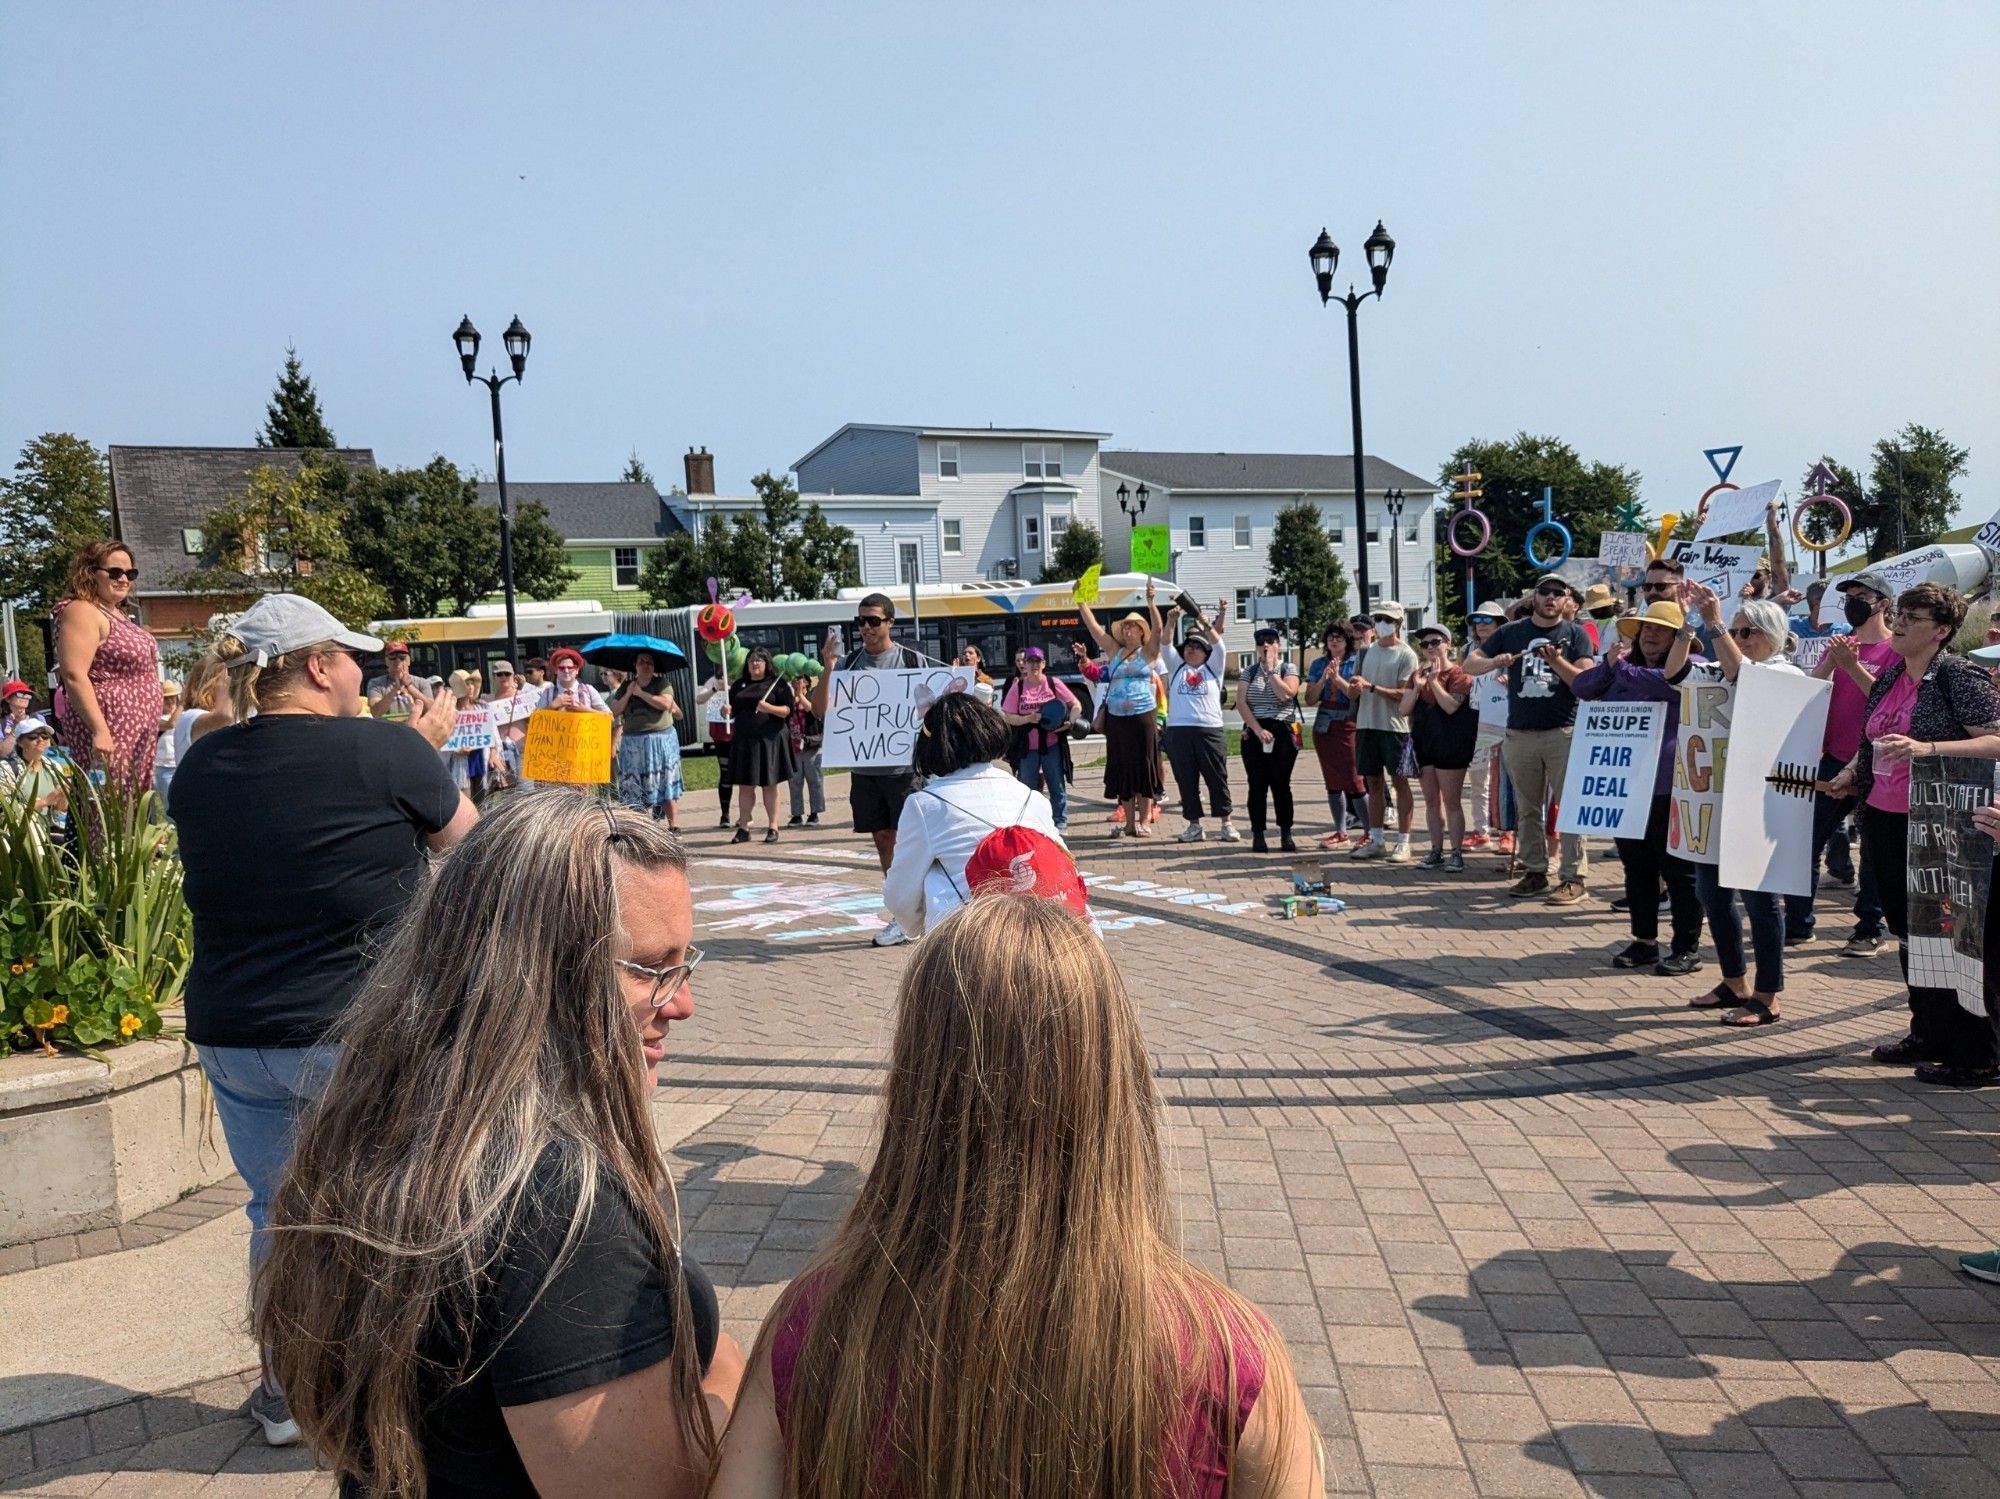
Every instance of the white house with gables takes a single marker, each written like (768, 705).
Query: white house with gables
(1220, 510)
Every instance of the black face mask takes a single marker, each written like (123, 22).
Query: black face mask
(1858, 611)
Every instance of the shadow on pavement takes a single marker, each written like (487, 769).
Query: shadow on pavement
(141, 1433)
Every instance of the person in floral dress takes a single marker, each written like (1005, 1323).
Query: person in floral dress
(108, 714)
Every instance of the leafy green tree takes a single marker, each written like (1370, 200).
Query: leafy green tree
(1081, 548)
(635, 471)
(1821, 523)
(1303, 563)
(1911, 490)
(287, 533)
(786, 549)
(293, 419)
(1587, 499)
(58, 499)
(676, 572)
(424, 535)
(819, 559)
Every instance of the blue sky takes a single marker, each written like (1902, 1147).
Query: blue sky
(1648, 229)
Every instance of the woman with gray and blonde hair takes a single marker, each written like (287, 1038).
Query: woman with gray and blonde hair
(474, 1286)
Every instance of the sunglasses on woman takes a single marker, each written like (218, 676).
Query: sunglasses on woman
(669, 980)
(121, 574)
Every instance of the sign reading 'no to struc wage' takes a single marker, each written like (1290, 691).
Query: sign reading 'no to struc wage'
(872, 717)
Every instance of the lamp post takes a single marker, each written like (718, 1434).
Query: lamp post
(1392, 507)
(1325, 256)
(1132, 506)
(516, 338)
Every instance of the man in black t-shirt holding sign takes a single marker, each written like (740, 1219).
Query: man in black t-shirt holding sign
(1540, 711)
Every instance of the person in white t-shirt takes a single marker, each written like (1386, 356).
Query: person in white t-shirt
(1196, 745)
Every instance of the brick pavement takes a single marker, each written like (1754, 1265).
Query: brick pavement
(1529, 1226)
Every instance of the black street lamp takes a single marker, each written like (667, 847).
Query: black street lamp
(1128, 509)
(516, 338)
(1325, 256)
(1392, 507)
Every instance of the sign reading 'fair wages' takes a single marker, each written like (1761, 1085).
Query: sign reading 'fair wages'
(573, 748)
(1701, 756)
(872, 717)
(1614, 762)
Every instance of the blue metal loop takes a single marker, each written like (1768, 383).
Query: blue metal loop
(1536, 530)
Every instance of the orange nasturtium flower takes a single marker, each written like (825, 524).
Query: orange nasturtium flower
(128, 1024)
(61, 1014)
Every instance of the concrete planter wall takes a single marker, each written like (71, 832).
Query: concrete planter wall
(87, 1144)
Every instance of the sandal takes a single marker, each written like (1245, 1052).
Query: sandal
(1721, 997)
(1759, 1012)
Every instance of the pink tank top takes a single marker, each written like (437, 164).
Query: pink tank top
(1200, 1460)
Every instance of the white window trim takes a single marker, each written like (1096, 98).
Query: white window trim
(943, 477)
(1038, 466)
(1055, 530)
(1243, 597)
(1031, 534)
(1242, 533)
(1193, 522)
(916, 546)
(638, 568)
(952, 537)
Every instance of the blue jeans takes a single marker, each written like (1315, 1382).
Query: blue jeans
(260, 1092)
(1767, 929)
(1041, 770)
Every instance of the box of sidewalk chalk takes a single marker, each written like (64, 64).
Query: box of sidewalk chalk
(1294, 906)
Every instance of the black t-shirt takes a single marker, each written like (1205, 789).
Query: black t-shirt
(1536, 697)
(301, 836)
(605, 1314)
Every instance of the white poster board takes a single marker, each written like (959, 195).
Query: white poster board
(872, 717)
(1701, 754)
(1987, 537)
(1767, 805)
(473, 730)
(1624, 549)
(1724, 569)
(1489, 701)
(1614, 760)
(1737, 510)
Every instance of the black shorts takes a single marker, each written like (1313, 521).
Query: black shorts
(1378, 752)
(878, 800)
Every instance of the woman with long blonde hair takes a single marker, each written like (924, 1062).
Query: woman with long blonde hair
(1003, 1314)
(473, 1284)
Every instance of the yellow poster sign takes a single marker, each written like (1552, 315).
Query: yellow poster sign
(1085, 589)
(573, 748)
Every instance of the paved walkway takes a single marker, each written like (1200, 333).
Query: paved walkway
(1530, 1226)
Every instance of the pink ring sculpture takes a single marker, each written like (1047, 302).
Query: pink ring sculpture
(1485, 532)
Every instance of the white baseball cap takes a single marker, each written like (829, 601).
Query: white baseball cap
(32, 725)
(1489, 611)
(282, 622)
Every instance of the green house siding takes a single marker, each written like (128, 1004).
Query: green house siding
(593, 579)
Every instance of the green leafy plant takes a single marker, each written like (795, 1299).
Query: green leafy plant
(95, 935)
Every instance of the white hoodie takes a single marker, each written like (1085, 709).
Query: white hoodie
(941, 825)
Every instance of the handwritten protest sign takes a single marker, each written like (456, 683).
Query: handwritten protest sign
(1737, 510)
(1767, 806)
(472, 731)
(1725, 569)
(872, 717)
(1701, 755)
(1624, 549)
(1614, 759)
(573, 748)
(1085, 589)
(1806, 654)
(1151, 552)
(1950, 876)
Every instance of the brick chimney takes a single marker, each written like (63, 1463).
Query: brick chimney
(700, 471)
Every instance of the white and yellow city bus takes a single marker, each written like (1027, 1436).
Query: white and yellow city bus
(999, 618)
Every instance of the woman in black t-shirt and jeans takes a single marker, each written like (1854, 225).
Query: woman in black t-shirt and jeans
(473, 1283)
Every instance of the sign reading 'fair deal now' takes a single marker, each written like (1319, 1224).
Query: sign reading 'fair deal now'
(1614, 761)
(872, 717)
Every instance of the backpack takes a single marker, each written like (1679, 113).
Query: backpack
(1016, 859)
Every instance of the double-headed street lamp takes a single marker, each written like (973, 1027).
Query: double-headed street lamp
(1325, 255)
(516, 339)
(1132, 506)
(1392, 507)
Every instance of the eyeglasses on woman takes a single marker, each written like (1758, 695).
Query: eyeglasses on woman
(667, 981)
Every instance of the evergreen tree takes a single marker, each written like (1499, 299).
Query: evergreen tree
(635, 471)
(58, 499)
(1303, 564)
(293, 418)
(1081, 548)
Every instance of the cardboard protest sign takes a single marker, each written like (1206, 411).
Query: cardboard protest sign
(1701, 755)
(1737, 510)
(1806, 654)
(1767, 805)
(1084, 590)
(1624, 549)
(473, 730)
(872, 717)
(1724, 569)
(1614, 758)
(1151, 552)
(1950, 876)
(573, 748)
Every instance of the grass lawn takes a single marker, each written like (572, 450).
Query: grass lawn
(703, 772)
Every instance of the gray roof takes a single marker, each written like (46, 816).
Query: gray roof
(1257, 473)
(595, 512)
(157, 493)
(989, 430)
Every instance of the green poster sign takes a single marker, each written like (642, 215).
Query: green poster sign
(1150, 553)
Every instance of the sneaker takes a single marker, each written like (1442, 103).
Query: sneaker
(1840, 876)
(1455, 864)
(1798, 939)
(1258, 845)
(1568, 893)
(1399, 852)
(1903, 1053)
(1118, 831)
(1505, 845)
(1370, 848)
(725, 824)
(1527, 885)
(1227, 833)
(1334, 840)
(770, 835)
(1678, 964)
(1938, 1075)
(1432, 860)
(1638, 955)
(1286, 843)
(812, 819)
(1859, 946)
(1476, 840)
(742, 836)
(1982, 1266)
(1191, 834)
(891, 935)
(1622, 904)
(272, 1412)
(796, 821)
